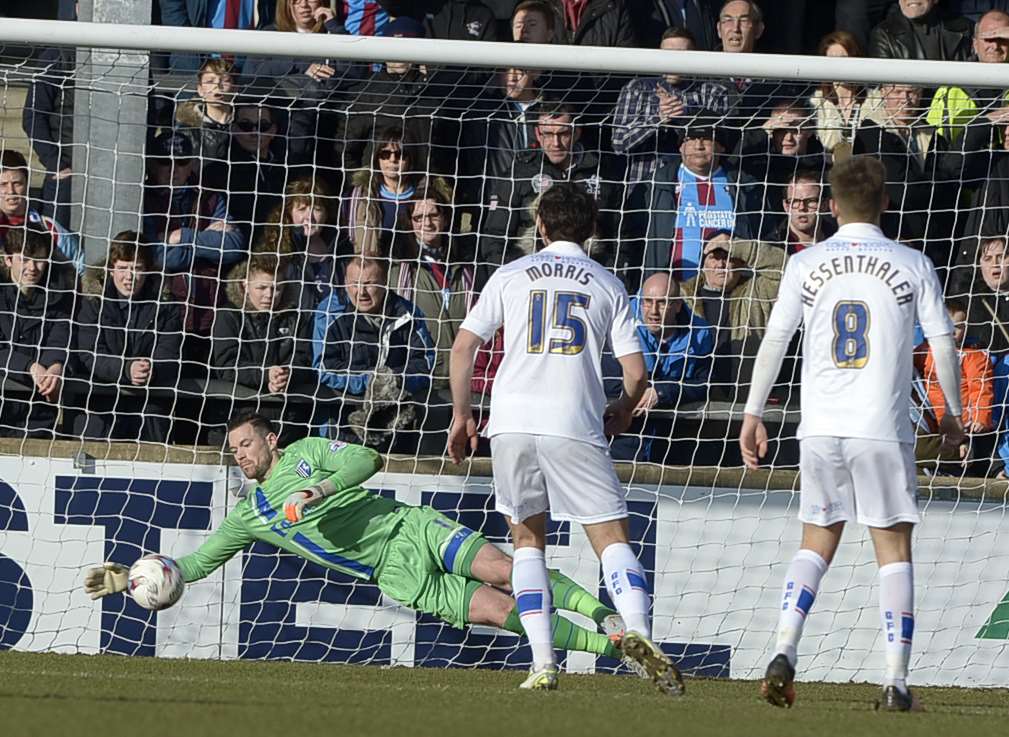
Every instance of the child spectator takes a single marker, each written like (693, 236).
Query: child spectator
(207, 119)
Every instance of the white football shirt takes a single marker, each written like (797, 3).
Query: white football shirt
(559, 309)
(858, 295)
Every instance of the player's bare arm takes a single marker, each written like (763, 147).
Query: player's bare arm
(620, 412)
(463, 432)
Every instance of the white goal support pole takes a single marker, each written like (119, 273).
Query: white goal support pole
(531, 56)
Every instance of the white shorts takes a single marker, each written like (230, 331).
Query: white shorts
(842, 479)
(573, 480)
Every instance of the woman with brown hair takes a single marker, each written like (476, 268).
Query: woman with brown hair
(840, 106)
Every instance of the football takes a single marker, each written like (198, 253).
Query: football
(156, 582)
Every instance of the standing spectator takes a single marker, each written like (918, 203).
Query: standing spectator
(917, 29)
(36, 305)
(235, 14)
(734, 292)
(17, 213)
(678, 347)
(457, 20)
(839, 105)
(126, 337)
(431, 270)
(699, 18)
(395, 166)
(695, 195)
(208, 119)
(362, 17)
(594, 22)
(807, 218)
(952, 107)
(533, 21)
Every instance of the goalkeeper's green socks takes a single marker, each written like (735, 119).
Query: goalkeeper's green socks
(572, 597)
(568, 635)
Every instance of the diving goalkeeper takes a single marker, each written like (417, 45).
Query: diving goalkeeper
(309, 501)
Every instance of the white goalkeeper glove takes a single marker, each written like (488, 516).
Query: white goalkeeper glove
(294, 507)
(111, 578)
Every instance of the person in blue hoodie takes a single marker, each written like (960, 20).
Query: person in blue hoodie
(678, 347)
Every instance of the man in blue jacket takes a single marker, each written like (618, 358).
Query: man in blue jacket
(678, 347)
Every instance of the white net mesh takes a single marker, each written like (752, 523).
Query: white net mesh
(147, 298)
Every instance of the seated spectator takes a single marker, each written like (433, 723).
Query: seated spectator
(263, 342)
(36, 306)
(696, 195)
(395, 166)
(126, 337)
(678, 347)
(534, 22)
(734, 292)
(291, 75)
(976, 377)
(697, 17)
(207, 120)
(456, 20)
(431, 270)
(839, 106)
(508, 214)
(917, 29)
(954, 107)
(192, 236)
(302, 234)
(650, 109)
(16, 212)
(807, 217)
(378, 350)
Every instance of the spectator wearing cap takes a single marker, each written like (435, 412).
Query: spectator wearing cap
(36, 306)
(126, 337)
(16, 212)
(456, 20)
(695, 195)
(734, 291)
(917, 29)
(698, 17)
(807, 218)
(208, 118)
(678, 348)
(508, 217)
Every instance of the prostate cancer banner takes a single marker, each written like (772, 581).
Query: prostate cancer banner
(715, 558)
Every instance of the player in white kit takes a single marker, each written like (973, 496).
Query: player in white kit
(559, 309)
(858, 295)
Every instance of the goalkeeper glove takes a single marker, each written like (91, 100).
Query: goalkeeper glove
(294, 507)
(111, 578)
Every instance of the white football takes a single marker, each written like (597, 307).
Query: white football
(156, 582)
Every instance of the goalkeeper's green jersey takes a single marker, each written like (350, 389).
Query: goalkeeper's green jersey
(346, 531)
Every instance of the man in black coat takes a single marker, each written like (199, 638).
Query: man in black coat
(456, 20)
(126, 338)
(917, 29)
(36, 304)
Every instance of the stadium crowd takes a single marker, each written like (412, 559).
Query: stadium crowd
(314, 231)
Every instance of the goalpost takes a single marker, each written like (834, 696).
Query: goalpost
(714, 539)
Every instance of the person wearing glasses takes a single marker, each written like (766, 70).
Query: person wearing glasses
(807, 218)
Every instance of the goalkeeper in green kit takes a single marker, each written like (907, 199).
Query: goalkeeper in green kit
(309, 501)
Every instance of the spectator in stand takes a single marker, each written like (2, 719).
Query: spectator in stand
(362, 17)
(36, 307)
(651, 110)
(594, 22)
(839, 106)
(191, 233)
(17, 213)
(953, 108)
(208, 119)
(434, 270)
(457, 20)
(917, 29)
(126, 337)
(678, 347)
(696, 195)
(235, 14)
(734, 292)
(48, 121)
(699, 18)
(508, 215)
(263, 341)
(396, 164)
(807, 218)
(533, 21)
(301, 233)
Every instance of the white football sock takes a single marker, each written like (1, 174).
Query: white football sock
(802, 581)
(896, 613)
(625, 580)
(532, 598)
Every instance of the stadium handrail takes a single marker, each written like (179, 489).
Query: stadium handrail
(496, 54)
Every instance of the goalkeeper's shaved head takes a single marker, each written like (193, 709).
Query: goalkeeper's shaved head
(858, 189)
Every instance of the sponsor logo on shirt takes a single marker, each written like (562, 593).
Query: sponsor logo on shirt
(593, 185)
(474, 27)
(336, 445)
(542, 182)
(304, 469)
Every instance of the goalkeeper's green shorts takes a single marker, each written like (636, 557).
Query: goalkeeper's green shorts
(426, 565)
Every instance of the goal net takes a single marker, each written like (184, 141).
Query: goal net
(203, 224)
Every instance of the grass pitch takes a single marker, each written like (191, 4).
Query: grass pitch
(106, 696)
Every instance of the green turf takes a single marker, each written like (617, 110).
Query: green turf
(56, 695)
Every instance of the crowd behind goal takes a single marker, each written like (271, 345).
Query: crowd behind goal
(314, 232)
